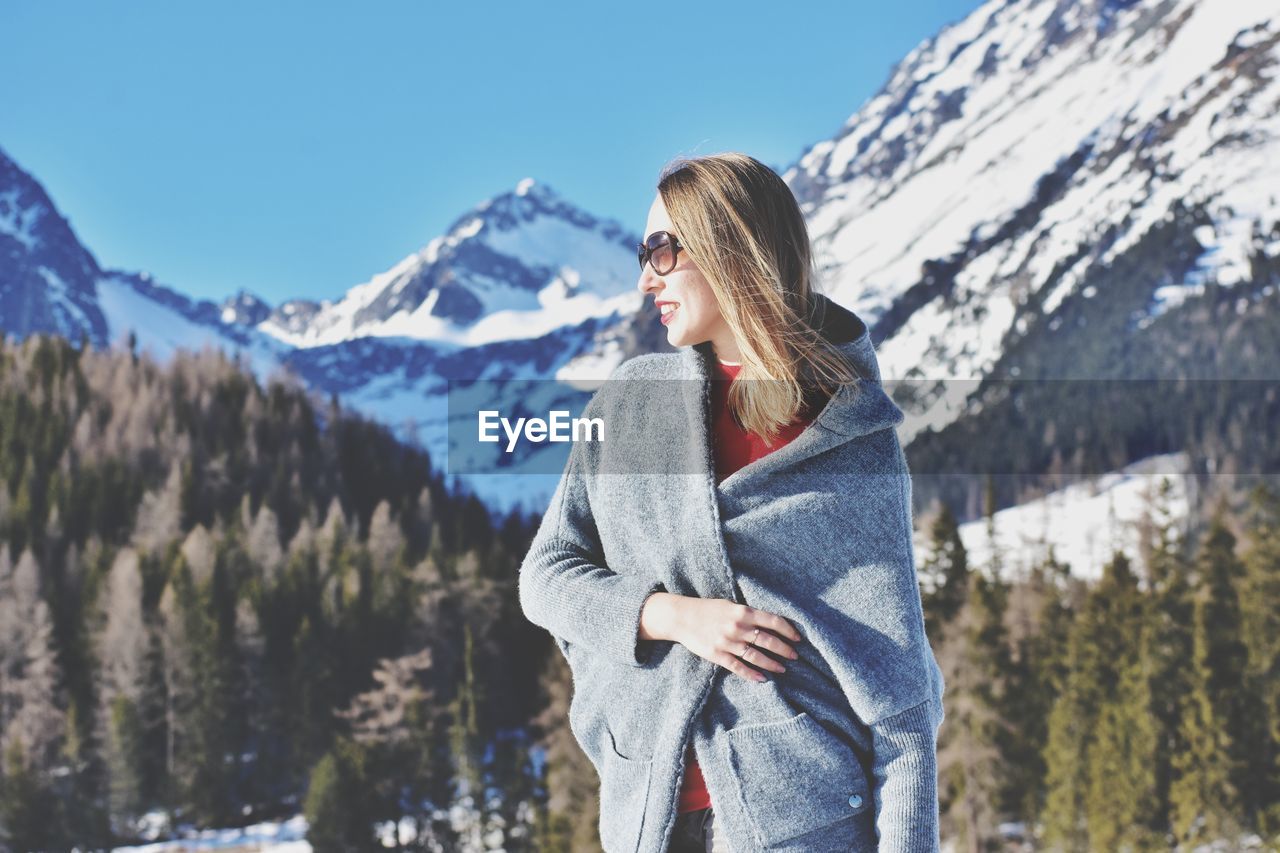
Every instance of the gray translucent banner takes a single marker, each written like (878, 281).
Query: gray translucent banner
(1059, 427)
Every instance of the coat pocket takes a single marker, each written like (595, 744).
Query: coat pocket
(624, 792)
(796, 777)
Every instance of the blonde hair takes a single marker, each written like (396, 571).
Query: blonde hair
(743, 229)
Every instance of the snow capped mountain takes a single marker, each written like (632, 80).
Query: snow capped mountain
(519, 265)
(523, 266)
(524, 286)
(1022, 150)
(1036, 182)
(244, 309)
(163, 320)
(46, 277)
(49, 282)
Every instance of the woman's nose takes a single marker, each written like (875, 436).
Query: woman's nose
(649, 280)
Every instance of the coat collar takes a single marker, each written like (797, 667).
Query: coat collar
(855, 409)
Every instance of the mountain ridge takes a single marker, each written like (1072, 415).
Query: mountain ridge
(973, 211)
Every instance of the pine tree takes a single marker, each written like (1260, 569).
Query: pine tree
(180, 688)
(251, 721)
(159, 516)
(1260, 612)
(568, 813)
(385, 540)
(263, 544)
(122, 650)
(1121, 800)
(313, 689)
(470, 756)
(220, 691)
(337, 808)
(1170, 615)
(32, 700)
(1101, 639)
(945, 570)
(989, 508)
(391, 721)
(1207, 795)
(465, 731)
(198, 628)
(1037, 669)
(29, 817)
(970, 759)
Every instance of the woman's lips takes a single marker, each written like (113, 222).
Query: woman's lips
(666, 318)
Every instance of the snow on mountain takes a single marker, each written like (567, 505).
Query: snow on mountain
(1030, 144)
(46, 276)
(163, 320)
(244, 309)
(51, 283)
(1083, 523)
(1004, 163)
(524, 286)
(519, 265)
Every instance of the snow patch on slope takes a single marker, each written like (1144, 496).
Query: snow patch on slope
(1158, 100)
(1084, 523)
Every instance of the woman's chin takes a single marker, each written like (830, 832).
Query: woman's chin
(678, 335)
(677, 338)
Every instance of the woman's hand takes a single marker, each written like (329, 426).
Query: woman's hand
(720, 631)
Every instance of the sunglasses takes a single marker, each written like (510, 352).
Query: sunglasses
(659, 251)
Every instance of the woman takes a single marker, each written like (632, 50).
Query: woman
(730, 573)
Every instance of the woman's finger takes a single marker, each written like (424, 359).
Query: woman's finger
(753, 655)
(751, 618)
(776, 627)
(768, 640)
(777, 624)
(735, 665)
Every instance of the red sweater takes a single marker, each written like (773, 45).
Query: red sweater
(732, 447)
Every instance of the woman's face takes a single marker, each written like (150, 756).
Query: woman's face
(696, 317)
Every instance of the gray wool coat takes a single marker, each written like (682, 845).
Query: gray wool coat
(837, 753)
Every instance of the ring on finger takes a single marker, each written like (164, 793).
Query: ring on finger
(751, 644)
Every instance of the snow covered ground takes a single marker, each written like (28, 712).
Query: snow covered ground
(471, 829)
(1084, 522)
(276, 836)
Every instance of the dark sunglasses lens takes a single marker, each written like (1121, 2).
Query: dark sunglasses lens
(661, 252)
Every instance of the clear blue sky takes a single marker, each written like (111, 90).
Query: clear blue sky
(295, 149)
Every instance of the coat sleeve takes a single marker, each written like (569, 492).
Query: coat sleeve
(905, 739)
(905, 779)
(565, 585)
